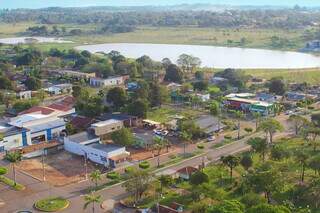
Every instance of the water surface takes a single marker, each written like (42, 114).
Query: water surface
(217, 57)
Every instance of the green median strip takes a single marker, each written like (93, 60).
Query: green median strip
(9, 182)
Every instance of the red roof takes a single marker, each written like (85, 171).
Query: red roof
(81, 122)
(69, 100)
(42, 110)
(60, 107)
(187, 170)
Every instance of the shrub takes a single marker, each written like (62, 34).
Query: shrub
(3, 170)
(129, 169)
(248, 129)
(52, 204)
(144, 165)
(113, 175)
(228, 137)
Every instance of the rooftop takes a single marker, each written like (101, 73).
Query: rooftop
(104, 123)
(39, 109)
(82, 137)
(187, 170)
(115, 116)
(22, 119)
(47, 125)
(104, 147)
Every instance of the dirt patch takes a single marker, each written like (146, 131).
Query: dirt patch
(60, 169)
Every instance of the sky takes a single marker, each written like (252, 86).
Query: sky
(11, 4)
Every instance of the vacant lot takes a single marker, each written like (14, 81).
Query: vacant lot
(60, 169)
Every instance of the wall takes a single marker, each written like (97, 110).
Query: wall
(108, 128)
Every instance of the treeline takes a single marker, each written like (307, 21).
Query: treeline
(127, 21)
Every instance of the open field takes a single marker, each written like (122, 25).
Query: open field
(311, 76)
(60, 169)
(254, 38)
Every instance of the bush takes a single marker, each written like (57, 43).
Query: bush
(144, 165)
(228, 137)
(128, 169)
(310, 107)
(113, 175)
(248, 130)
(9, 182)
(3, 170)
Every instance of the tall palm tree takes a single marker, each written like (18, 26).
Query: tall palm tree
(95, 176)
(159, 144)
(230, 161)
(302, 158)
(257, 117)
(259, 145)
(186, 137)
(239, 115)
(14, 158)
(92, 199)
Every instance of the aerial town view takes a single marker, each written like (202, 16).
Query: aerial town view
(167, 106)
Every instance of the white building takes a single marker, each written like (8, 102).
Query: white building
(60, 89)
(105, 82)
(24, 94)
(89, 145)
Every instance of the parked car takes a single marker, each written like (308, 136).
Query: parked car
(289, 112)
(211, 138)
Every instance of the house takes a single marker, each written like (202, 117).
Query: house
(268, 97)
(89, 145)
(128, 120)
(104, 128)
(203, 97)
(209, 124)
(173, 86)
(81, 123)
(60, 89)
(186, 172)
(219, 81)
(107, 82)
(13, 137)
(157, 76)
(248, 104)
(297, 96)
(73, 74)
(24, 94)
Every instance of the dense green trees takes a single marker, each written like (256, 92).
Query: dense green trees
(117, 96)
(270, 127)
(33, 83)
(230, 161)
(277, 86)
(259, 145)
(174, 73)
(139, 108)
(123, 137)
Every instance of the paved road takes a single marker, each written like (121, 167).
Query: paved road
(37, 189)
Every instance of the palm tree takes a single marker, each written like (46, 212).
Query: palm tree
(14, 158)
(270, 127)
(186, 137)
(95, 176)
(159, 144)
(201, 147)
(302, 158)
(239, 115)
(259, 145)
(257, 117)
(92, 199)
(230, 161)
(216, 111)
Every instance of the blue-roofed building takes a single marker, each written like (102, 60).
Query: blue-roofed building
(13, 137)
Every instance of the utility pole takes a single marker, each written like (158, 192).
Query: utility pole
(43, 166)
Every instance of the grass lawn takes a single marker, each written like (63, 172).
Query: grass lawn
(52, 204)
(165, 113)
(311, 76)
(9, 182)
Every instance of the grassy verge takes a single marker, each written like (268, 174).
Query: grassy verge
(9, 182)
(52, 204)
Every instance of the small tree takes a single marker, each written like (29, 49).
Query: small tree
(257, 118)
(298, 122)
(186, 137)
(259, 145)
(165, 181)
(14, 158)
(92, 199)
(314, 163)
(95, 177)
(3, 171)
(159, 144)
(239, 115)
(199, 178)
(138, 183)
(123, 137)
(246, 161)
(302, 158)
(270, 127)
(230, 161)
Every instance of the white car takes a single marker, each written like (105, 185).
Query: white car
(211, 138)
